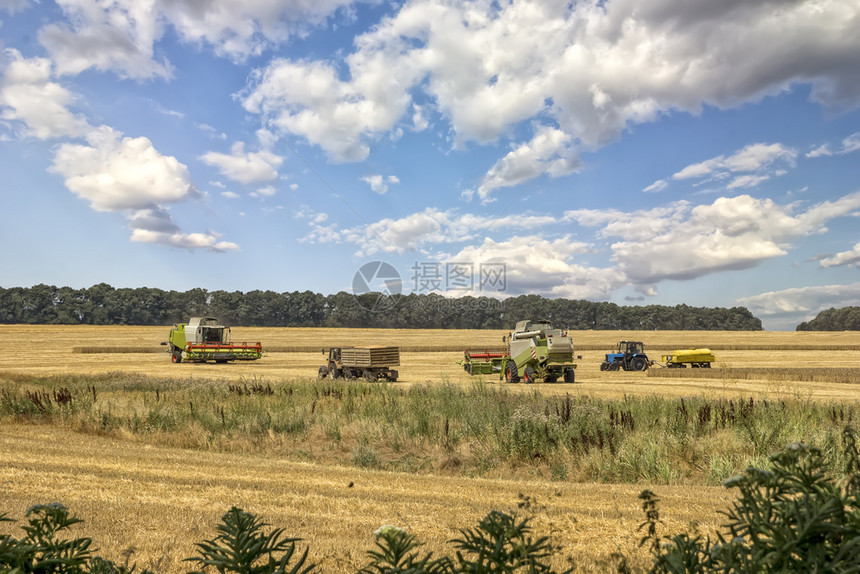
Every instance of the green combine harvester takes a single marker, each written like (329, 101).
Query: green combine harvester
(203, 339)
(535, 350)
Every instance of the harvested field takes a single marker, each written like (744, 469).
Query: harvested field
(161, 501)
(143, 491)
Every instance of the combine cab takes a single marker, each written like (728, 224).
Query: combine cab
(534, 351)
(203, 339)
(629, 356)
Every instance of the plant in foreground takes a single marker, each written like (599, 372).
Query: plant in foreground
(243, 547)
(793, 517)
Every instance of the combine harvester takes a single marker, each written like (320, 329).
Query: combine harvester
(534, 349)
(203, 339)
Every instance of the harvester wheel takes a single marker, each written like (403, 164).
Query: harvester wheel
(529, 375)
(638, 363)
(177, 356)
(323, 372)
(468, 368)
(569, 375)
(511, 374)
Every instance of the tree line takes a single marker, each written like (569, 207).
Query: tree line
(844, 319)
(104, 305)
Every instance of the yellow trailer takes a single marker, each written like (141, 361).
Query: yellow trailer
(696, 358)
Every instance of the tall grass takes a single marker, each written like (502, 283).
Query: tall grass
(802, 374)
(477, 430)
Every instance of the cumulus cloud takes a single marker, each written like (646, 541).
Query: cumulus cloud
(548, 152)
(588, 70)
(415, 232)
(128, 175)
(683, 242)
(116, 36)
(121, 36)
(536, 265)
(245, 167)
(378, 183)
(788, 307)
(28, 95)
(114, 172)
(850, 257)
(756, 162)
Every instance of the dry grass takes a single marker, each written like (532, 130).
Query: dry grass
(163, 500)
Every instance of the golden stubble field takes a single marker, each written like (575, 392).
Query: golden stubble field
(429, 356)
(162, 500)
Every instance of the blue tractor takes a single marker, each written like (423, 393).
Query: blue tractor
(629, 355)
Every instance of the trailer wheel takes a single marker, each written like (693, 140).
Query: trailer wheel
(511, 374)
(638, 364)
(529, 375)
(550, 379)
(706, 365)
(176, 357)
(322, 373)
(368, 375)
(569, 375)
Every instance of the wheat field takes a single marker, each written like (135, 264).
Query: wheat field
(431, 356)
(161, 500)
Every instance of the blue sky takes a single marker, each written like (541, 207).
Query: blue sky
(637, 152)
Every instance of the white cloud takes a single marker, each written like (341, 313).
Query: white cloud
(657, 186)
(245, 167)
(13, 6)
(757, 162)
(378, 183)
(548, 152)
(128, 175)
(28, 95)
(267, 191)
(851, 143)
(820, 151)
(107, 35)
(681, 242)
(424, 229)
(115, 172)
(788, 307)
(588, 69)
(230, 195)
(536, 265)
(850, 257)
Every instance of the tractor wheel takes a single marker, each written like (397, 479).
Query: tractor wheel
(529, 375)
(511, 374)
(569, 375)
(176, 357)
(638, 364)
(322, 373)
(333, 371)
(603, 365)
(614, 367)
